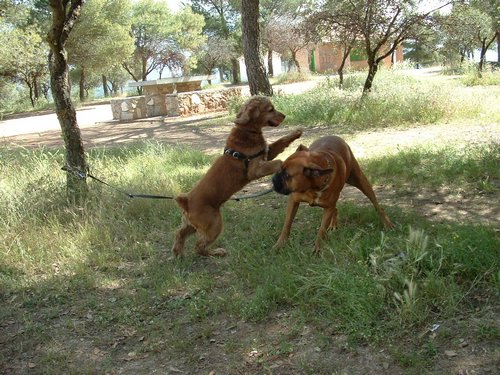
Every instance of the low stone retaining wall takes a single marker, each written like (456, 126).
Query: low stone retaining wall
(130, 108)
(180, 104)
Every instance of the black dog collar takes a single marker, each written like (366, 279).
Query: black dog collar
(241, 156)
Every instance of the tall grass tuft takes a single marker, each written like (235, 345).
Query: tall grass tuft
(395, 100)
(291, 77)
(488, 77)
(453, 166)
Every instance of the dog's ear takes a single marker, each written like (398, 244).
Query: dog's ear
(314, 171)
(248, 112)
(302, 148)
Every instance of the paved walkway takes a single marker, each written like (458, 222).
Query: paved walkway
(99, 115)
(35, 123)
(90, 116)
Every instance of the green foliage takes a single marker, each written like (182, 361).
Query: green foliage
(24, 58)
(291, 77)
(161, 37)
(474, 167)
(468, 27)
(396, 99)
(488, 77)
(101, 38)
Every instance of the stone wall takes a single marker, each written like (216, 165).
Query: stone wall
(206, 101)
(180, 104)
(130, 108)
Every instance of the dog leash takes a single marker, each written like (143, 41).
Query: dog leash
(82, 175)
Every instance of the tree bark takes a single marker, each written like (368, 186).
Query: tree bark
(270, 70)
(295, 61)
(372, 70)
(82, 84)
(63, 18)
(236, 71)
(105, 87)
(257, 78)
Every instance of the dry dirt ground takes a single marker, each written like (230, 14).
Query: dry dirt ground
(461, 354)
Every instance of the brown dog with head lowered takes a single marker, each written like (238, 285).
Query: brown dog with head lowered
(246, 157)
(317, 175)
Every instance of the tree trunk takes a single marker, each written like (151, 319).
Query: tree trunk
(270, 70)
(144, 67)
(30, 87)
(36, 89)
(295, 61)
(82, 84)
(59, 79)
(105, 86)
(498, 47)
(340, 70)
(372, 70)
(482, 59)
(235, 67)
(257, 78)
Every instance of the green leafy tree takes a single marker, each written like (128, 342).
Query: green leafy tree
(100, 38)
(458, 28)
(469, 27)
(382, 24)
(328, 28)
(287, 35)
(24, 59)
(216, 53)
(489, 31)
(222, 23)
(114, 79)
(275, 15)
(160, 35)
(424, 48)
(24, 52)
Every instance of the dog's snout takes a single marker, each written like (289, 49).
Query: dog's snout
(279, 185)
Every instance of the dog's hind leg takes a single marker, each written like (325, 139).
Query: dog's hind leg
(180, 236)
(208, 235)
(359, 180)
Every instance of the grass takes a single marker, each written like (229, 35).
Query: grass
(104, 261)
(456, 168)
(396, 100)
(89, 288)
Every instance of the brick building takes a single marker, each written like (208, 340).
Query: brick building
(328, 56)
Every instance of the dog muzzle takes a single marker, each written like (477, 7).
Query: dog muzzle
(279, 185)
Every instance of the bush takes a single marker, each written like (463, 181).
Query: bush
(488, 77)
(292, 77)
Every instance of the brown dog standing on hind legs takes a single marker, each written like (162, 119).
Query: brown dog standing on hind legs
(316, 175)
(246, 157)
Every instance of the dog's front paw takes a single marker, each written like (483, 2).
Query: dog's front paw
(297, 133)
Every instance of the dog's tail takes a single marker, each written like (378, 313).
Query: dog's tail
(182, 201)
